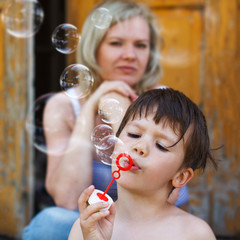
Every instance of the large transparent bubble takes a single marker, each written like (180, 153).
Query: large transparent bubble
(37, 130)
(77, 81)
(99, 133)
(110, 110)
(101, 18)
(109, 148)
(22, 18)
(65, 38)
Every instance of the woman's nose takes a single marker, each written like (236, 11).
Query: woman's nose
(129, 52)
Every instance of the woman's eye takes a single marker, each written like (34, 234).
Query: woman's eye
(161, 147)
(141, 45)
(133, 135)
(115, 43)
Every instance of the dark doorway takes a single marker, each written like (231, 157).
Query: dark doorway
(49, 64)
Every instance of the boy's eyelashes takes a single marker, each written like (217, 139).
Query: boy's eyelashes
(158, 145)
(133, 135)
(161, 147)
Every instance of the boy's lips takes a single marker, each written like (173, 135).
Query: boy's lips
(135, 166)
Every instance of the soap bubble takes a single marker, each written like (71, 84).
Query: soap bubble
(107, 151)
(77, 81)
(110, 110)
(107, 142)
(101, 18)
(22, 18)
(99, 132)
(36, 129)
(65, 38)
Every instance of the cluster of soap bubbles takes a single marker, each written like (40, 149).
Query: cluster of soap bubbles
(102, 137)
(105, 141)
(66, 37)
(23, 18)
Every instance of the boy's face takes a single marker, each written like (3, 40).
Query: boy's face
(154, 165)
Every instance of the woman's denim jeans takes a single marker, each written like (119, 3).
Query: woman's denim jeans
(51, 223)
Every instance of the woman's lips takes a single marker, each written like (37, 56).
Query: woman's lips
(127, 69)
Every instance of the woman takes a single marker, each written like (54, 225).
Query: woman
(124, 60)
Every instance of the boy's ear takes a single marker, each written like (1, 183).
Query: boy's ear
(182, 177)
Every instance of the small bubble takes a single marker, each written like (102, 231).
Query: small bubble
(110, 110)
(22, 18)
(65, 38)
(77, 81)
(108, 151)
(101, 18)
(100, 132)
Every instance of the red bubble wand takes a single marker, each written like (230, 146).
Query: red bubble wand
(117, 173)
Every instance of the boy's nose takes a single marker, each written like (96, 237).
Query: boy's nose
(140, 149)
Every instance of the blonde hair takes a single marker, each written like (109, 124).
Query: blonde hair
(92, 37)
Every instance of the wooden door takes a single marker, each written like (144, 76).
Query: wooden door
(200, 57)
(16, 76)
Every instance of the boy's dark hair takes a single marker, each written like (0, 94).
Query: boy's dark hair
(174, 108)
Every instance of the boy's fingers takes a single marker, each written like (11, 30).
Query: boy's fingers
(112, 211)
(92, 214)
(82, 201)
(92, 219)
(92, 209)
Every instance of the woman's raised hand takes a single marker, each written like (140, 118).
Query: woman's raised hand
(118, 87)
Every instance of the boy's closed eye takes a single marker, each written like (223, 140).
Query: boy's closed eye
(161, 147)
(158, 145)
(134, 135)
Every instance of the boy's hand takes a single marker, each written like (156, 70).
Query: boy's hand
(95, 224)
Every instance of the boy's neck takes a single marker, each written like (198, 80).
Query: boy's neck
(136, 207)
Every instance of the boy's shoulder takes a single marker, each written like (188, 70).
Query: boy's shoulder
(192, 227)
(173, 224)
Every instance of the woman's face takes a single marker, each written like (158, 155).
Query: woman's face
(124, 52)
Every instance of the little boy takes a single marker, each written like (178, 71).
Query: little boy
(166, 135)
